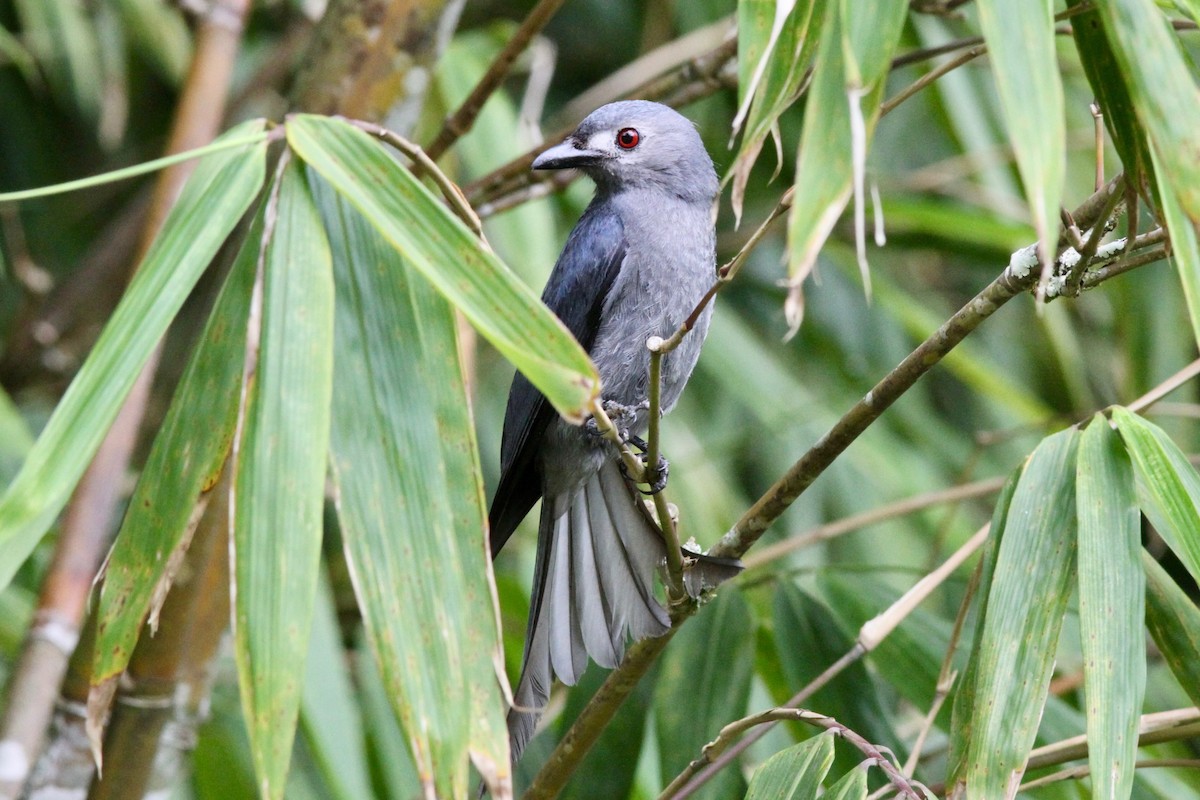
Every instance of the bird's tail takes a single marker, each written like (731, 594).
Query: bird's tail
(593, 584)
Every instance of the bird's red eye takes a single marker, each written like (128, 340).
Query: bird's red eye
(628, 138)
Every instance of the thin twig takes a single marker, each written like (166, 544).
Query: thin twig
(878, 756)
(900, 508)
(1163, 726)
(450, 191)
(460, 122)
(929, 77)
(1088, 251)
(727, 272)
(633, 464)
(1095, 277)
(1082, 771)
(1172, 383)
(699, 771)
(946, 675)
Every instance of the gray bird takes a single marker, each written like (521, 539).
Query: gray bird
(637, 263)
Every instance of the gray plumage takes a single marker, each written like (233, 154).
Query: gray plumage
(639, 260)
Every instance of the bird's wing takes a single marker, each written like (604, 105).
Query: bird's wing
(575, 292)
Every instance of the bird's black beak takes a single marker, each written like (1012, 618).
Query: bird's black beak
(566, 156)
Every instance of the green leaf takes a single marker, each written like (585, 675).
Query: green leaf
(1164, 92)
(1020, 40)
(15, 439)
(759, 23)
(1110, 84)
(159, 33)
(964, 717)
(1168, 487)
(1111, 607)
(394, 769)
(1025, 604)
(795, 773)
(1174, 622)
(850, 72)
(852, 786)
(63, 40)
(329, 713)
(782, 79)
(444, 252)
(279, 480)
(211, 204)
(698, 694)
(182, 469)
(1185, 249)
(410, 504)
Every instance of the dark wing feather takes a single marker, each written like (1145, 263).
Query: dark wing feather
(575, 292)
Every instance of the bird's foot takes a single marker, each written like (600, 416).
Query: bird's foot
(658, 475)
(621, 416)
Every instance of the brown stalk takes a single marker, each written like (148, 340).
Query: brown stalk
(191, 625)
(459, 123)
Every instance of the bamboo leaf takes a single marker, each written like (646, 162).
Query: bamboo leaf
(1164, 92)
(410, 504)
(1111, 607)
(329, 712)
(964, 726)
(1168, 487)
(1110, 84)
(1174, 622)
(63, 40)
(1020, 40)
(182, 469)
(783, 79)
(211, 204)
(848, 81)
(697, 694)
(280, 460)
(795, 773)
(160, 33)
(445, 253)
(1025, 604)
(15, 439)
(852, 786)
(1185, 249)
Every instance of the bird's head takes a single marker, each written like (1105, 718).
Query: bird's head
(636, 143)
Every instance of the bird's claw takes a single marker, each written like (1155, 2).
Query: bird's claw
(659, 474)
(621, 416)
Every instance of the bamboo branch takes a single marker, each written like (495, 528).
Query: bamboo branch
(460, 122)
(900, 508)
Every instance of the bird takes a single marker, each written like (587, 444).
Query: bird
(638, 262)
